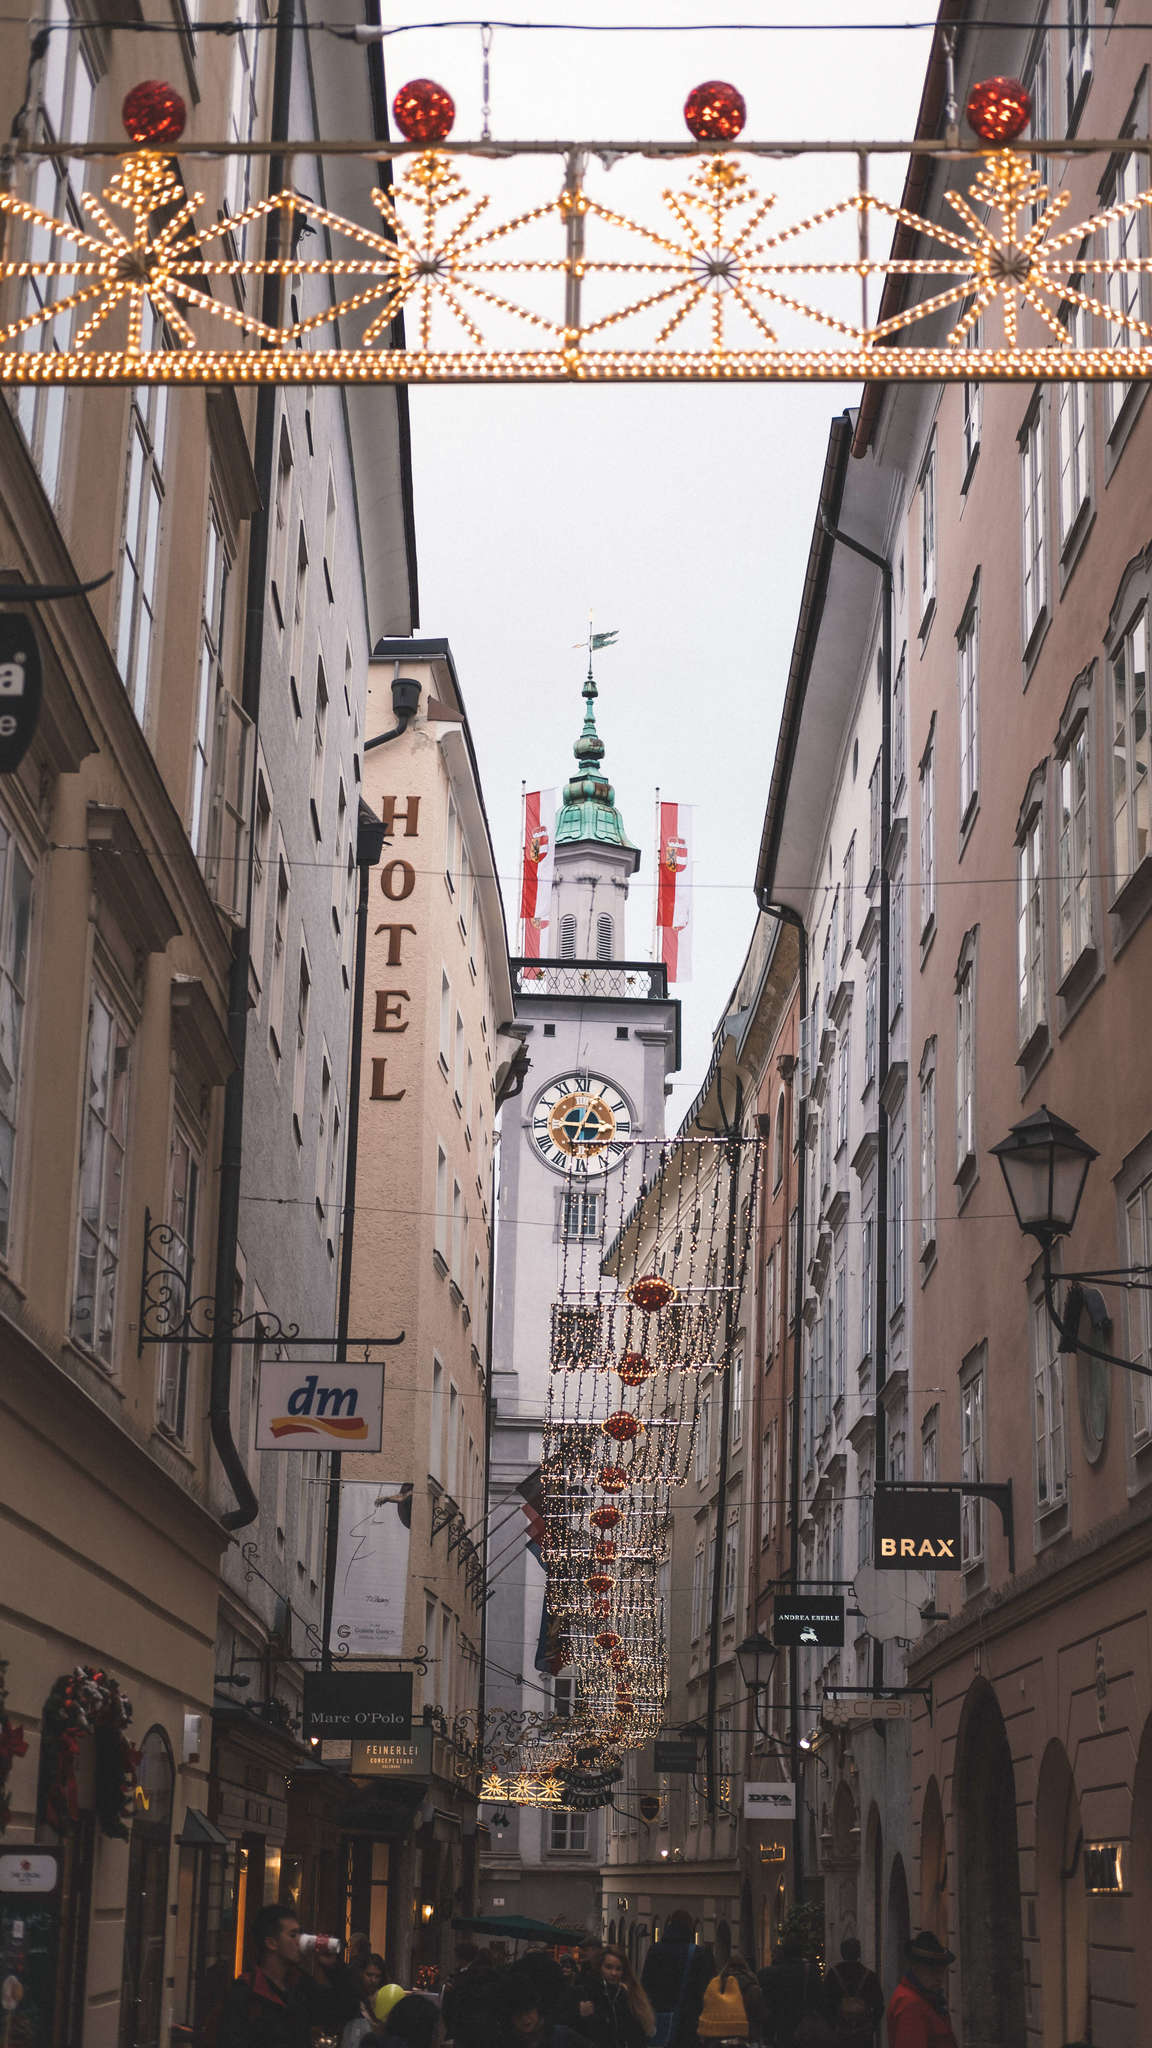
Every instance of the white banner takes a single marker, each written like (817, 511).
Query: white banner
(371, 1570)
(769, 1799)
(317, 1405)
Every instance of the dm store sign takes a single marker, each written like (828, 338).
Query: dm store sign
(308, 1405)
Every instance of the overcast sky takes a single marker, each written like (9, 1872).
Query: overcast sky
(680, 516)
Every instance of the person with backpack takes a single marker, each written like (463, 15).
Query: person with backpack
(276, 2004)
(732, 2007)
(855, 2001)
(676, 1970)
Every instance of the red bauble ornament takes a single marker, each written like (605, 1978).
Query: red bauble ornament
(634, 1368)
(618, 1661)
(622, 1427)
(604, 1518)
(625, 1703)
(651, 1293)
(606, 1640)
(604, 1553)
(424, 112)
(999, 109)
(601, 1609)
(715, 112)
(613, 1478)
(153, 113)
(600, 1582)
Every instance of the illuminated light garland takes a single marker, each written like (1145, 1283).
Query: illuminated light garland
(613, 1478)
(622, 1427)
(600, 1582)
(605, 1518)
(604, 1553)
(607, 1640)
(651, 1293)
(634, 1368)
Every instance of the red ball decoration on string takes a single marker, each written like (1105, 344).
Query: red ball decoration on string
(613, 1478)
(604, 1553)
(625, 1709)
(600, 1582)
(715, 112)
(604, 1518)
(153, 113)
(606, 1640)
(423, 111)
(999, 109)
(651, 1292)
(618, 1661)
(634, 1368)
(601, 1609)
(622, 1427)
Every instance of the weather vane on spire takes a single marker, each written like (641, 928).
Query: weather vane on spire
(598, 640)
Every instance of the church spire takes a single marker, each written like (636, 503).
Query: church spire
(589, 807)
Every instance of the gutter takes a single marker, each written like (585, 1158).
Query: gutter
(378, 96)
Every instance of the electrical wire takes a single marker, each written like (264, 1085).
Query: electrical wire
(359, 33)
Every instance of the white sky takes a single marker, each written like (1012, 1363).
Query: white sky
(681, 516)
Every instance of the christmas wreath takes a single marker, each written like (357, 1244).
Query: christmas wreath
(12, 1745)
(87, 1702)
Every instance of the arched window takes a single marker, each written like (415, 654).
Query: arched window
(778, 1152)
(568, 937)
(603, 937)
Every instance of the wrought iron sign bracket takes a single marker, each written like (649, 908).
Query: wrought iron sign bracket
(171, 1314)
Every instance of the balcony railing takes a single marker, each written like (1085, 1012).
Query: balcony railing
(603, 980)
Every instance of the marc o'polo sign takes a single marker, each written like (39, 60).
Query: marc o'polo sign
(359, 1705)
(21, 688)
(806, 1618)
(915, 1530)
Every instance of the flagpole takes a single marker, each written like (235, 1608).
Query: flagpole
(656, 881)
(523, 844)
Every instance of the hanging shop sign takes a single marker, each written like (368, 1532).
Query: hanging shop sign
(769, 1799)
(21, 688)
(808, 1618)
(672, 1757)
(310, 1404)
(916, 1529)
(376, 1757)
(29, 1944)
(844, 1713)
(773, 1852)
(359, 1705)
(371, 1568)
(649, 1804)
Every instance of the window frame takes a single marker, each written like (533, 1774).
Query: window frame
(968, 703)
(16, 996)
(123, 1041)
(1034, 548)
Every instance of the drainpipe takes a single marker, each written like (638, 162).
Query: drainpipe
(370, 842)
(880, 1333)
(792, 917)
(232, 1136)
(732, 1131)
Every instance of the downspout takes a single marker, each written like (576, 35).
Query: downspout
(792, 917)
(732, 1131)
(880, 1332)
(232, 1135)
(370, 841)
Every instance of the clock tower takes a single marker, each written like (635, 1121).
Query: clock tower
(603, 1036)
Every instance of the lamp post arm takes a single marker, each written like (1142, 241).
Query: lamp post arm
(1072, 1336)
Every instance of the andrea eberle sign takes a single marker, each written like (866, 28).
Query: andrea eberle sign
(916, 1530)
(802, 1618)
(359, 1705)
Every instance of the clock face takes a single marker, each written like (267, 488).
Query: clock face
(580, 1124)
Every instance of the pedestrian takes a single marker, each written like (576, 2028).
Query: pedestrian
(276, 2004)
(854, 1999)
(528, 2027)
(372, 1972)
(792, 1992)
(917, 2009)
(732, 1967)
(672, 1976)
(617, 2012)
(415, 2021)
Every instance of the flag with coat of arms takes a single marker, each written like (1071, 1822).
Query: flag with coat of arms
(674, 887)
(540, 807)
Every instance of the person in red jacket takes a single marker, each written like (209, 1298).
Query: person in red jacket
(917, 2010)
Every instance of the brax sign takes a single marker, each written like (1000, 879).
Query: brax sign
(359, 1704)
(799, 1618)
(21, 687)
(313, 1405)
(916, 1530)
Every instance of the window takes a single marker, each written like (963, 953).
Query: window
(445, 1020)
(568, 1831)
(323, 1123)
(1073, 848)
(703, 1444)
(1123, 241)
(896, 946)
(781, 1141)
(459, 1229)
(870, 1027)
(973, 407)
(731, 1562)
(1072, 414)
(319, 735)
(770, 1305)
(1048, 1401)
(965, 1056)
(603, 937)
(330, 537)
(793, 1264)
(140, 551)
(840, 1310)
(928, 833)
(867, 1283)
(299, 615)
(458, 1061)
(282, 519)
(898, 1218)
(332, 1202)
(443, 1214)
(1138, 1215)
(968, 686)
(568, 936)
(864, 1511)
(724, 1747)
(452, 844)
(15, 927)
(972, 1462)
(241, 128)
(103, 1143)
(261, 853)
(183, 1188)
(927, 495)
(1078, 64)
(1130, 759)
(899, 727)
(928, 1147)
(279, 956)
(436, 1434)
(211, 686)
(874, 822)
(1030, 925)
(452, 1448)
(738, 1397)
(848, 885)
(697, 1591)
(469, 1083)
(768, 1481)
(1034, 521)
(300, 1069)
(581, 1213)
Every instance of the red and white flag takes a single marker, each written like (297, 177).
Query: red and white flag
(536, 867)
(673, 888)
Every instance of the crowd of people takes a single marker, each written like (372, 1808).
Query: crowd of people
(689, 1995)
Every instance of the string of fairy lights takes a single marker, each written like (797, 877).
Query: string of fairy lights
(711, 288)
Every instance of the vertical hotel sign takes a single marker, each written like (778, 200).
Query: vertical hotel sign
(397, 881)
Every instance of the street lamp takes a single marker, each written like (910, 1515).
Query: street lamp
(1045, 1164)
(756, 1657)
